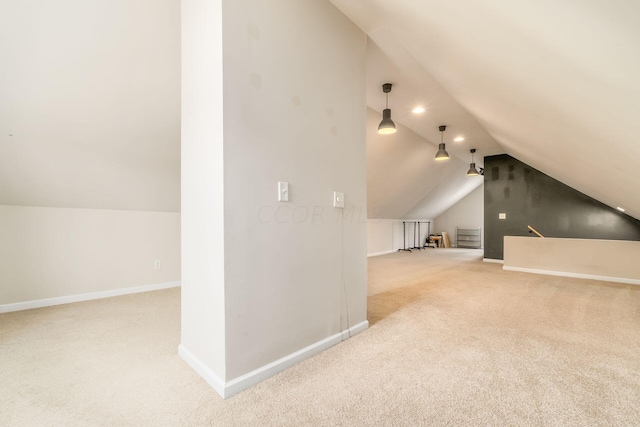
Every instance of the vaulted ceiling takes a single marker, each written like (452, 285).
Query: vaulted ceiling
(553, 84)
(90, 99)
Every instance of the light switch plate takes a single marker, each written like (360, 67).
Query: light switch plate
(502, 216)
(338, 199)
(283, 191)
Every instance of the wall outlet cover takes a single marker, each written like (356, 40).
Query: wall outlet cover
(502, 216)
(338, 199)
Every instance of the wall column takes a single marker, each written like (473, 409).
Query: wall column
(272, 91)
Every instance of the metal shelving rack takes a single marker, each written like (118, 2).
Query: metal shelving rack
(468, 238)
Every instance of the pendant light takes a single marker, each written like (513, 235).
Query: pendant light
(472, 167)
(386, 125)
(442, 153)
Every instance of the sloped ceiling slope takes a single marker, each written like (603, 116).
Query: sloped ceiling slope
(90, 104)
(554, 83)
(403, 178)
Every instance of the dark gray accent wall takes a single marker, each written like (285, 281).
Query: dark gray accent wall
(529, 197)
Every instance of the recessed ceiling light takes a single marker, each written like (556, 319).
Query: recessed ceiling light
(620, 209)
(458, 139)
(418, 110)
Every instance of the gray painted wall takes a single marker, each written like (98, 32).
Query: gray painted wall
(529, 197)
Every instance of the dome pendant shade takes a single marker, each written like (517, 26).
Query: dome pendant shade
(387, 125)
(442, 153)
(472, 166)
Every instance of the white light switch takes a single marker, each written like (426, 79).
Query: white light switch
(502, 216)
(283, 191)
(338, 199)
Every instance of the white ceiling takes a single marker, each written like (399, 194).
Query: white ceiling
(554, 84)
(90, 104)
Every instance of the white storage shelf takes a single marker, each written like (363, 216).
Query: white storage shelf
(468, 238)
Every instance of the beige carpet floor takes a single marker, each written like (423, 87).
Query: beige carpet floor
(453, 341)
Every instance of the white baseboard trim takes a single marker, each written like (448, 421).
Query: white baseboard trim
(27, 305)
(236, 385)
(381, 253)
(245, 381)
(496, 261)
(203, 370)
(576, 275)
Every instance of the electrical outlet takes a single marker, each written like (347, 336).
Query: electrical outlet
(502, 216)
(156, 264)
(338, 199)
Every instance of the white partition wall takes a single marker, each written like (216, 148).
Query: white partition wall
(277, 95)
(203, 256)
(612, 260)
